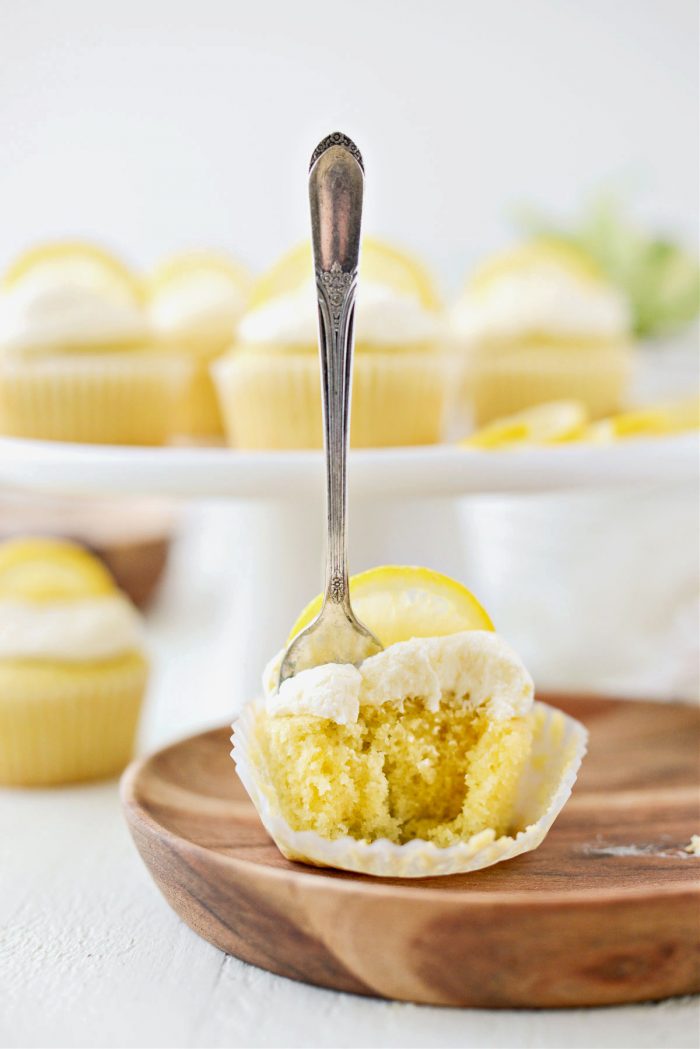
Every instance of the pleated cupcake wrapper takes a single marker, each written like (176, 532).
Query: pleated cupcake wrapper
(559, 744)
(500, 387)
(273, 401)
(199, 415)
(68, 726)
(126, 398)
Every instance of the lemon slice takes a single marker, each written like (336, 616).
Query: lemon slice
(550, 423)
(89, 263)
(186, 264)
(50, 570)
(535, 255)
(398, 602)
(379, 263)
(654, 421)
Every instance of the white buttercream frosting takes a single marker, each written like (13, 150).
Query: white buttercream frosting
(202, 303)
(68, 306)
(382, 316)
(84, 629)
(477, 665)
(546, 299)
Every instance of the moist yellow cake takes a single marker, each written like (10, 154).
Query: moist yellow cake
(409, 745)
(196, 299)
(541, 323)
(269, 385)
(430, 757)
(72, 669)
(77, 362)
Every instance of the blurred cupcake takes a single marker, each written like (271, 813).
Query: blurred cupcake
(540, 323)
(195, 302)
(269, 385)
(76, 360)
(72, 670)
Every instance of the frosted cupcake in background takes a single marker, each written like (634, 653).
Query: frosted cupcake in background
(541, 323)
(72, 668)
(76, 359)
(269, 385)
(195, 302)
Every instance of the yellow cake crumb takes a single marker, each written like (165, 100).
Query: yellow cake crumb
(401, 771)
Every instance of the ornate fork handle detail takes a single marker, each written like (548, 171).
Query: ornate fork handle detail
(336, 308)
(336, 183)
(335, 286)
(336, 190)
(336, 138)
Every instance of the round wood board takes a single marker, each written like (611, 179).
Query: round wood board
(605, 911)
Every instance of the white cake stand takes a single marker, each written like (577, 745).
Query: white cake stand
(404, 507)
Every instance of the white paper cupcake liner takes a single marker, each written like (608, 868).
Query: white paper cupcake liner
(559, 744)
(500, 384)
(62, 723)
(273, 400)
(130, 397)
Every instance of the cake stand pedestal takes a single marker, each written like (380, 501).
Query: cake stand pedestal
(405, 507)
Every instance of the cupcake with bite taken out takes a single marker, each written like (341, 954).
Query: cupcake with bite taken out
(430, 757)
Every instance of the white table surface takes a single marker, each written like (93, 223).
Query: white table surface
(90, 954)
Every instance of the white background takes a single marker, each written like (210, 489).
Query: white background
(156, 124)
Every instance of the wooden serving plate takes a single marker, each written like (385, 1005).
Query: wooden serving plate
(605, 911)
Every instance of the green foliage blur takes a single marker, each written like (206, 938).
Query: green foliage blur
(660, 278)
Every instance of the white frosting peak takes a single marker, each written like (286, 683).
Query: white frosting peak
(203, 303)
(68, 307)
(383, 316)
(84, 629)
(476, 664)
(547, 299)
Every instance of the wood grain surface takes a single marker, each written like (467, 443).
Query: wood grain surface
(605, 911)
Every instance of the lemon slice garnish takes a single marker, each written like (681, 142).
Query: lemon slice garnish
(532, 256)
(654, 421)
(181, 267)
(50, 570)
(379, 264)
(549, 423)
(89, 263)
(398, 602)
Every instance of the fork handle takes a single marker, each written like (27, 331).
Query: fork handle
(336, 182)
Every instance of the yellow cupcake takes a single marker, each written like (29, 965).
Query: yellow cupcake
(427, 758)
(76, 359)
(195, 302)
(72, 670)
(540, 323)
(269, 385)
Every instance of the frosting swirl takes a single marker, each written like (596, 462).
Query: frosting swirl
(72, 630)
(204, 305)
(475, 664)
(383, 317)
(66, 308)
(543, 300)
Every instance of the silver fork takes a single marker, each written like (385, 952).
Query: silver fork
(336, 181)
